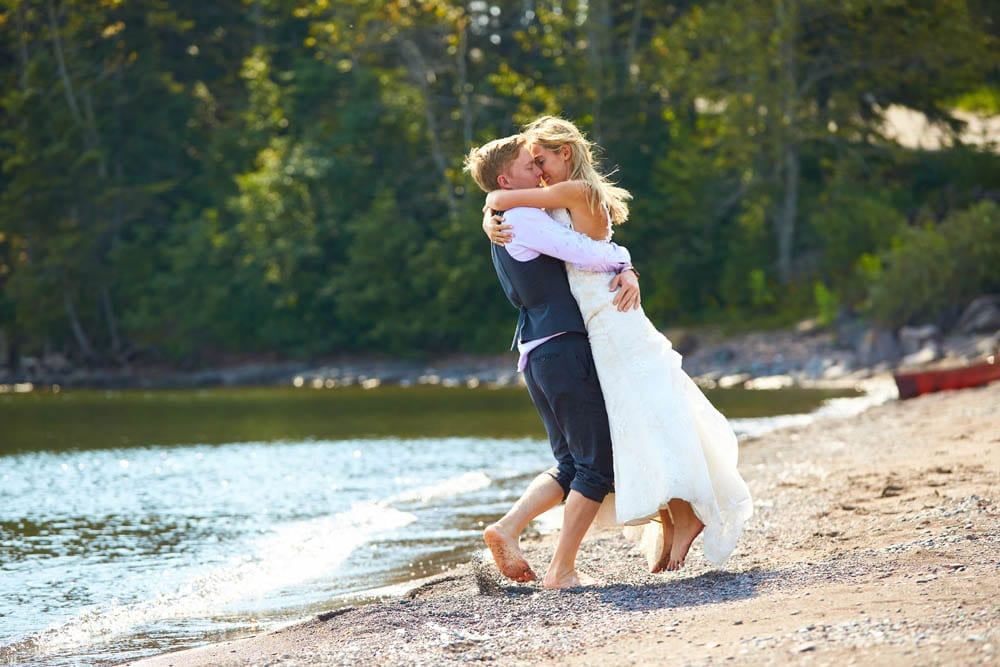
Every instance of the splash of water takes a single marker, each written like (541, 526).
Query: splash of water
(448, 488)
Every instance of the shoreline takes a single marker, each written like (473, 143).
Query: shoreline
(804, 355)
(874, 540)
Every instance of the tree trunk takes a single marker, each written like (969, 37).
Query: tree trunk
(463, 83)
(86, 350)
(74, 107)
(599, 20)
(788, 152)
(420, 73)
(87, 122)
(81, 108)
(632, 75)
(109, 316)
(788, 212)
(22, 46)
(258, 28)
(13, 355)
(92, 137)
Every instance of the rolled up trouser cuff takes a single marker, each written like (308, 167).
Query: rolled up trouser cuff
(563, 474)
(592, 485)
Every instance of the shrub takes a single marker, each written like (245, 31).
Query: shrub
(827, 304)
(931, 272)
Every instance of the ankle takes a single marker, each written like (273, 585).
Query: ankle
(559, 571)
(504, 531)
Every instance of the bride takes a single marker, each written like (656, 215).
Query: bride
(675, 455)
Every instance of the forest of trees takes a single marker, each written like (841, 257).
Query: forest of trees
(183, 180)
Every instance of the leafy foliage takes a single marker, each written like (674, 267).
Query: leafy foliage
(283, 177)
(931, 270)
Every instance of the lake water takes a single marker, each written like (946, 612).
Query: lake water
(137, 522)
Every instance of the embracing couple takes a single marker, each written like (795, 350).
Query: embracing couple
(627, 426)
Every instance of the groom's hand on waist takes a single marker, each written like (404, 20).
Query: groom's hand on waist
(627, 285)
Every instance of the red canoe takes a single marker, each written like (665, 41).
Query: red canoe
(942, 379)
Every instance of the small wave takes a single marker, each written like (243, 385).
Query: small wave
(291, 554)
(754, 427)
(453, 486)
(876, 393)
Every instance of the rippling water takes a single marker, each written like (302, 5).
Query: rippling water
(124, 551)
(109, 553)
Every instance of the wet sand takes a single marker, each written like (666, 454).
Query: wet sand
(875, 541)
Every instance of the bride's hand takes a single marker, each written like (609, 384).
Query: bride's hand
(495, 228)
(627, 284)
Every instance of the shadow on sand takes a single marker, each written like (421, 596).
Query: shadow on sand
(707, 588)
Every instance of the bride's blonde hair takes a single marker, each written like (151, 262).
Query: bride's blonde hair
(553, 133)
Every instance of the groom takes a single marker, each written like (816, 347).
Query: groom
(555, 357)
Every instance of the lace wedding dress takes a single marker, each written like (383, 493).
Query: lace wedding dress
(669, 440)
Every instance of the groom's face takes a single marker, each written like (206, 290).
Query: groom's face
(522, 173)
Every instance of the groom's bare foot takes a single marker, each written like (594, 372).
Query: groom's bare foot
(571, 579)
(686, 527)
(668, 542)
(507, 555)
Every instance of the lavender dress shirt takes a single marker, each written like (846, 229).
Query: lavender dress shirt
(536, 233)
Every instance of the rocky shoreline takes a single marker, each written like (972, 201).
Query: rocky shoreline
(874, 541)
(844, 353)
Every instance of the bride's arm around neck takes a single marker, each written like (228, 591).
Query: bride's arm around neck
(571, 195)
(560, 195)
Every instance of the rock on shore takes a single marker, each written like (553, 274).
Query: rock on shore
(802, 355)
(848, 350)
(875, 541)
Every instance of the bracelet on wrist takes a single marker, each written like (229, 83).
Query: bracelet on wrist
(630, 268)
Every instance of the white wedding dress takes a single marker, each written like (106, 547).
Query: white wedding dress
(669, 441)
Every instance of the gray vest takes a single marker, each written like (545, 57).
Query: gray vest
(540, 290)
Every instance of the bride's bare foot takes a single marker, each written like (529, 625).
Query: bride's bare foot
(686, 527)
(507, 555)
(571, 579)
(668, 542)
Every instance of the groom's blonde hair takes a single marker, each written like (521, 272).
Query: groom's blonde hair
(488, 161)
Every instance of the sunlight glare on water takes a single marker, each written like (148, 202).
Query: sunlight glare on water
(179, 542)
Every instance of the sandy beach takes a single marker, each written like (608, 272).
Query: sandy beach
(875, 541)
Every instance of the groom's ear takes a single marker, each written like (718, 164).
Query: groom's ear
(503, 182)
